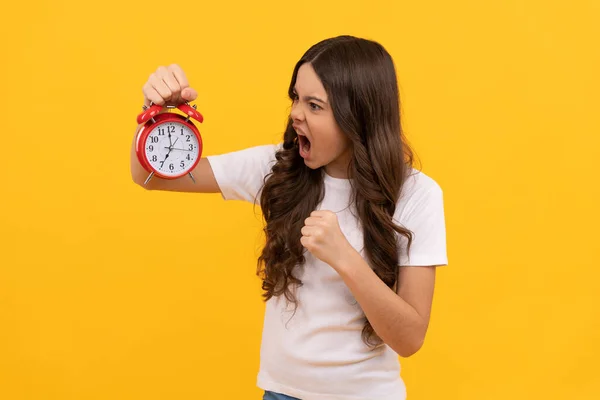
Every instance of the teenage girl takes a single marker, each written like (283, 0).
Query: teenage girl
(353, 231)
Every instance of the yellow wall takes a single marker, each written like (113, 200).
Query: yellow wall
(111, 292)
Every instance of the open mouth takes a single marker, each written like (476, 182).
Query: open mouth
(304, 145)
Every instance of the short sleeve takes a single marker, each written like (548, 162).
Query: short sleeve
(240, 174)
(423, 215)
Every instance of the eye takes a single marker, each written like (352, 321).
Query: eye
(318, 107)
(313, 106)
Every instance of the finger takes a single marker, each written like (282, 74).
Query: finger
(311, 221)
(306, 242)
(179, 75)
(169, 79)
(309, 231)
(189, 94)
(161, 87)
(325, 216)
(151, 95)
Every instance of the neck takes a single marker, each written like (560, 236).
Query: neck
(338, 168)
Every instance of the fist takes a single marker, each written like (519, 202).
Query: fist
(322, 236)
(168, 86)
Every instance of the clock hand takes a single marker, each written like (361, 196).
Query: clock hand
(178, 149)
(170, 148)
(166, 156)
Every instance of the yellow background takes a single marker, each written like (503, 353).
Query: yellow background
(108, 291)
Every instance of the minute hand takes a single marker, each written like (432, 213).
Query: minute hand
(174, 148)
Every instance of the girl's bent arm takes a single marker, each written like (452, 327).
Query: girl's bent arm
(400, 319)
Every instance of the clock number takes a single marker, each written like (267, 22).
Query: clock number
(191, 147)
(151, 148)
(187, 138)
(182, 164)
(189, 157)
(154, 158)
(171, 166)
(154, 139)
(170, 129)
(162, 163)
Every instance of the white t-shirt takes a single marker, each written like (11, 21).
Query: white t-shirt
(318, 353)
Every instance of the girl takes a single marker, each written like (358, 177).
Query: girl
(353, 231)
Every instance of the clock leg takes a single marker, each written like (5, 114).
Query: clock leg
(149, 177)
(192, 176)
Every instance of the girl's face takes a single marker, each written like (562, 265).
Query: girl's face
(320, 140)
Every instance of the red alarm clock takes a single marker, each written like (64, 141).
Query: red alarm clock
(168, 145)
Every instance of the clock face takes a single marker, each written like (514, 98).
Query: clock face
(171, 148)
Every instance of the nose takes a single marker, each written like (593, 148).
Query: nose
(297, 115)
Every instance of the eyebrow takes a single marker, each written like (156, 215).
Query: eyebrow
(307, 98)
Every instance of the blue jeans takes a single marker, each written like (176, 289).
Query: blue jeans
(277, 396)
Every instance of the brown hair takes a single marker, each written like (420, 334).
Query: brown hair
(360, 80)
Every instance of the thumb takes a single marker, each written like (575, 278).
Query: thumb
(189, 94)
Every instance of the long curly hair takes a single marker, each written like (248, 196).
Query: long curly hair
(360, 80)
